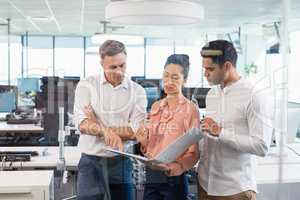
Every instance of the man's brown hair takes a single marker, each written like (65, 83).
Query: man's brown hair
(111, 48)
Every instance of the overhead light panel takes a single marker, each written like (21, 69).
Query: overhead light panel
(99, 38)
(41, 18)
(154, 12)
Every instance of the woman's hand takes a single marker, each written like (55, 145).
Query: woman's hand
(160, 167)
(170, 169)
(175, 169)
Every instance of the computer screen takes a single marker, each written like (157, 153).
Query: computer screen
(27, 90)
(153, 88)
(197, 95)
(137, 78)
(7, 101)
(153, 94)
(148, 82)
(28, 84)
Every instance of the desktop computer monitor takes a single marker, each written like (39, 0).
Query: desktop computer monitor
(27, 89)
(197, 95)
(153, 89)
(153, 94)
(148, 82)
(137, 78)
(28, 84)
(7, 102)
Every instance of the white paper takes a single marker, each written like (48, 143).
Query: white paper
(179, 146)
(171, 152)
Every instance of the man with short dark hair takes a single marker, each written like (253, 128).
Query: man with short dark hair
(108, 110)
(238, 127)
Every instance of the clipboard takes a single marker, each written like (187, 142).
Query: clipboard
(171, 152)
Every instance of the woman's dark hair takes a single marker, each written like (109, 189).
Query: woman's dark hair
(182, 60)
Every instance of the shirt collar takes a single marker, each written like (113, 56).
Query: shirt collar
(164, 102)
(231, 85)
(124, 84)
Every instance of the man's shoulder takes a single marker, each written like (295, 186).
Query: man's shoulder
(213, 91)
(92, 78)
(257, 91)
(87, 84)
(89, 80)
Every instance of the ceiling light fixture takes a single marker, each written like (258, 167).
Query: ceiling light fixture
(154, 12)
(99, 38)
(41, 18)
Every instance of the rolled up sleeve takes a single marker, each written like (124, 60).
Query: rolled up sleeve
(138, 115)
(256, 137)
(82, 99)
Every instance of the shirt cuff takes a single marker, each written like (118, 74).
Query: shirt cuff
(78, 120)
(134, 126)
(177, 165)
(225, 135)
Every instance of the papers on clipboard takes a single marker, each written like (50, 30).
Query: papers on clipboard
(171, 152)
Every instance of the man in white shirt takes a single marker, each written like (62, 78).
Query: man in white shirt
(238, 127)
(108, 110)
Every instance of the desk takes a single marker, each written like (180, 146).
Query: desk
(49, 160)
(267, 168)
(30, 185)
(20, 134)
(20, 128)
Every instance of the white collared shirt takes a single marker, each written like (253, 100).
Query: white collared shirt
(120, 106)
(227, 163)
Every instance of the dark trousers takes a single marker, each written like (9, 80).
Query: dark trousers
(161, 187)
(104, 178)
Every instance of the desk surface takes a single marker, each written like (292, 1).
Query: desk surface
(48, 157)
(25, 178)
(267, 168)
(20, 128)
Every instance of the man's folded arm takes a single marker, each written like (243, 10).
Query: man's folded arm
(81, 121)
(260, 116)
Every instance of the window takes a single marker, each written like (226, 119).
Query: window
(40, 56)
(69, 56)
(195, 78)
(135, 60)
(3, 61)
(157, 52)
(15, 59)
(252, 63)
(294, 69)
(92, 59)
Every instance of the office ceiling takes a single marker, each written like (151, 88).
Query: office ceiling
(81, 17)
